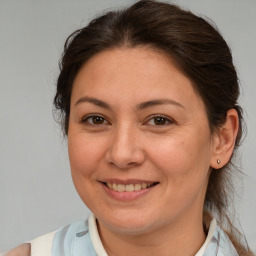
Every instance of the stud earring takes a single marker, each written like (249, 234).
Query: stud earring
(218, 161)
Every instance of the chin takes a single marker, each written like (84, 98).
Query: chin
(128, 224)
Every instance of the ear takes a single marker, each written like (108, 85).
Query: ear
(224, 140)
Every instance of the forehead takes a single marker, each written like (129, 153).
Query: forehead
(141, 71)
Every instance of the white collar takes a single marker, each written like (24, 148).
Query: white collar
(212, 228)
(98, 246)
(95, 237)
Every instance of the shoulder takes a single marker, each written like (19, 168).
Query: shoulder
(70, 235)
(220, 244)
(62, 241)
(68, 240)
(79, 238)
(225, 245)
(22, 250)
(72, 230)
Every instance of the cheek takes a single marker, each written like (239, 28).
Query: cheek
(183, 164)
(84, 157)
(84, 154)
(182, 157)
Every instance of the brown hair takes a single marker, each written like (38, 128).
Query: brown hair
(198, 50)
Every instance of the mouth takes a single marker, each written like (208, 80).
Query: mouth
(129, 187)
(128, 190)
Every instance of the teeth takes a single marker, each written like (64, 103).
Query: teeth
(129, 187)
(120, 187)
(137, 187)
(110, 185)
(114, 187)
(144, 185)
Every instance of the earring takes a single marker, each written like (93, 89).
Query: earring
(218, 161)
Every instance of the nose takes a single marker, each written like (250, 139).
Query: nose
(125, 148)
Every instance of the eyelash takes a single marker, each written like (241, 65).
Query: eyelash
(163, 118)
(86, 118)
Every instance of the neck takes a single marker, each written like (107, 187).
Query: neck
(181, 238)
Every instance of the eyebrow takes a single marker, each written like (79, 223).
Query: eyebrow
(140, 106)
(152, 103)
(94, 101)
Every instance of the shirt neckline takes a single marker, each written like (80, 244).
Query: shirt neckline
(99, 248)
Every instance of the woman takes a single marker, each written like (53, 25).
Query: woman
(148, 100)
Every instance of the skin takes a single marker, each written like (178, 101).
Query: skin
(22, 250)
(126, 143)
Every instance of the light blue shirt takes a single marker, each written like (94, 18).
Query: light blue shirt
(76, 240)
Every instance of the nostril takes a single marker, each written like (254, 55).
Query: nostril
(124, 165)
(132, 164)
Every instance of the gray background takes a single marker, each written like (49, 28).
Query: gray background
(36, 191)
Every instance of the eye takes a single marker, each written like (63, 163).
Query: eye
(94, 120)
(160, 121)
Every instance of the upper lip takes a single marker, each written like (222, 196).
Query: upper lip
(127, 181)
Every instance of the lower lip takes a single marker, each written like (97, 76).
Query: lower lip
(127, 196)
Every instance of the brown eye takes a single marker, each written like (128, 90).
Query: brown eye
(94, 120)
(160, 120)
(97, 120)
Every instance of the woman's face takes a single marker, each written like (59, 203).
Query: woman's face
(139, 141)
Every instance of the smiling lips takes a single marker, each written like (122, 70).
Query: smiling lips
(127, 190)
(129, 187)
